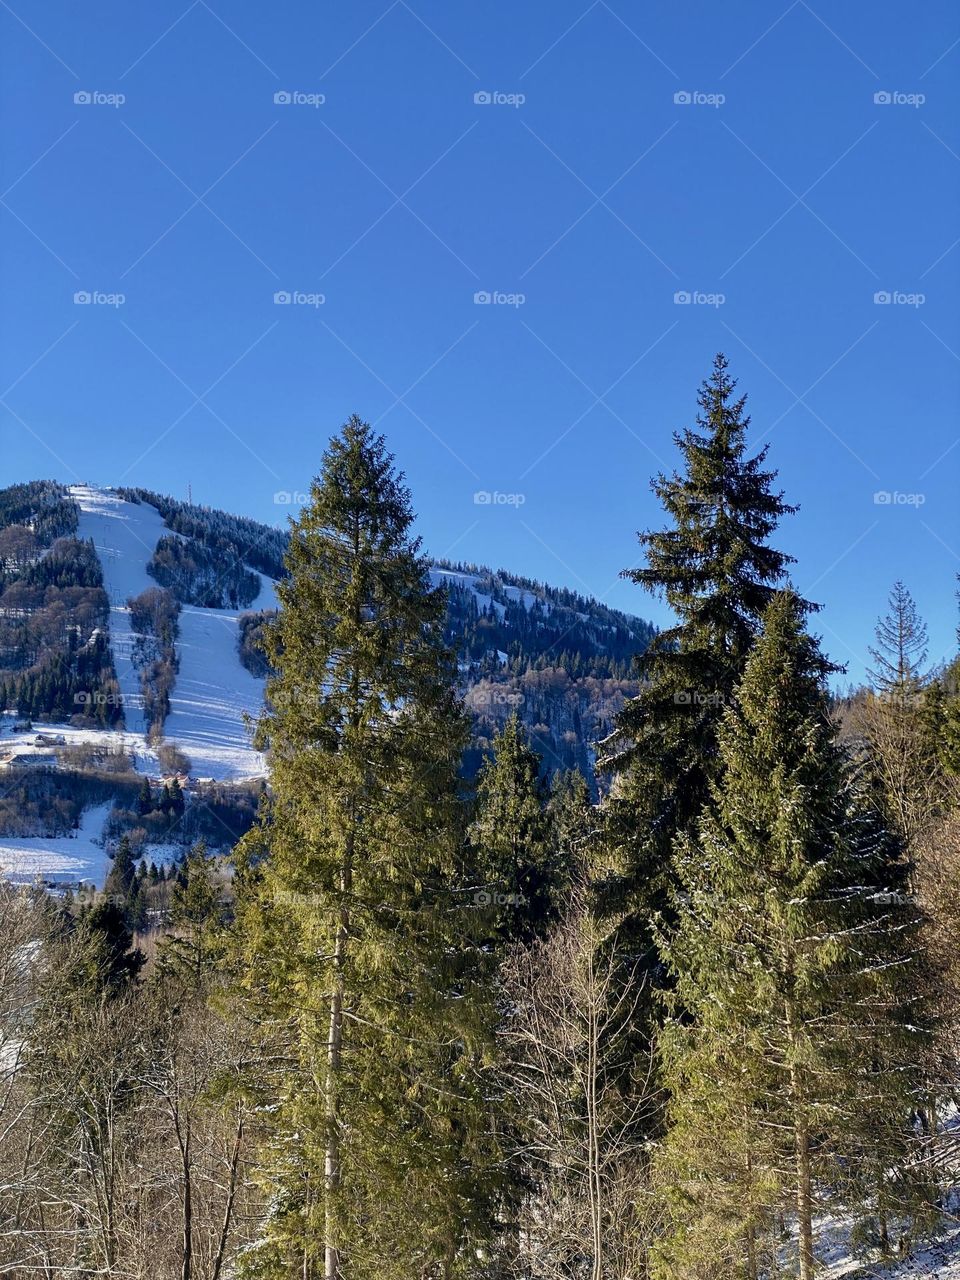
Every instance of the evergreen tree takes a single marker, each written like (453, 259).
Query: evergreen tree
(901, 648)
(905, 722)
(110, 962)
(716, 571)
(794, 1057)
(353, 909)
(521, 875)
(122, 876)
(194, 946)
(176, 798)
(145, 798)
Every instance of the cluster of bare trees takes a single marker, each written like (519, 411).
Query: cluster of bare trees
(124, 1148)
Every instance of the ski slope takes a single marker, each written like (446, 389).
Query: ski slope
(125, 536)
(214, 692)
(63, 858)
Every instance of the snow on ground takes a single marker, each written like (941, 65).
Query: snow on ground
(125, 535)
(80, 856)
(939, 1260)
(213, 690)
(210, 696)
(444, 577)
(145, 758)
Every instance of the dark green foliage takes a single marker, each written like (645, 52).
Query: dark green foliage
(251, 637)
(201, 575)
(48, 802)
(113, 963)
(231, 537)
(715, 569)
(122, 876)
(145, 798)
(795, 1054)
(353, 903)
(154, 616)
(521, 876)
(55, 661)
(43, 506)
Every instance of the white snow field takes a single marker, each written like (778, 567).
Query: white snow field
(124, 535)
(64, 858)
(213, 690)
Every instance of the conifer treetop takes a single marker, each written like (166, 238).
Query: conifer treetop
(714, 566)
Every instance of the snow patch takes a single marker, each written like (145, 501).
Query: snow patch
(71, 858)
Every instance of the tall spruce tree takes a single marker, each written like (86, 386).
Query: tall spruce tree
(354, 905)
(715, 569)
(794, 1058)
(510, 833)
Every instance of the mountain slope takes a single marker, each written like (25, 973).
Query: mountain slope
(127, 626)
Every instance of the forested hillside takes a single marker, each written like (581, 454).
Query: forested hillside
(562, 662)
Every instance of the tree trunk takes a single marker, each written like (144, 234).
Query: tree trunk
(231, 1196)
(334, 1044)
(804, 1182)
(804, 1201)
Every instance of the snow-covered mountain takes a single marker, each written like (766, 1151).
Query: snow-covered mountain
(128, 625)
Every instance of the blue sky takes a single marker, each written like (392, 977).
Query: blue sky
(619, 155)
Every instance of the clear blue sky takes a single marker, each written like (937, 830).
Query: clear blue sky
(597, 198)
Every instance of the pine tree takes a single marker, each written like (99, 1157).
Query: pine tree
(716, 571)
(521, 877)
(197, 915)
(145, 798)
(120, 881)
(176, 798)
(901, 648)
(902, 723)
(794, 1056)
(353, 908)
